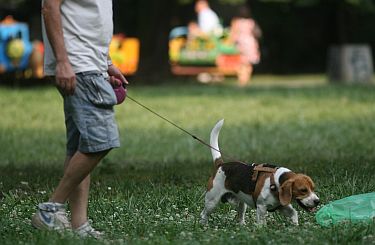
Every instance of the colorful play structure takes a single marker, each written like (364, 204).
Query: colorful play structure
(193, 56)
(19, 55)
(15, 46)
(124, 52)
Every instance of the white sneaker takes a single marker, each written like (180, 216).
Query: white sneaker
(86, 230)
(50, 216)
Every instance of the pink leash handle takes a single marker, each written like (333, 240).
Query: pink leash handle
(120, 92)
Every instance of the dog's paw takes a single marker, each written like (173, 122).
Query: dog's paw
(295, 222)
(203, 221)
(242, 222)
(261, 224)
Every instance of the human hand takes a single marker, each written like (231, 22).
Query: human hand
(115, 82)
(65, 78)
(116, 77)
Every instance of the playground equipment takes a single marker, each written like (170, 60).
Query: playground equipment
(194, 56)
(124, 52)
(15, 45)
(18, 54)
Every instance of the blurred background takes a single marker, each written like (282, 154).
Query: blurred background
(297, 36)
(298, 107)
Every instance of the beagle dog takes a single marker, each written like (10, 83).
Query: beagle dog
(261, 186)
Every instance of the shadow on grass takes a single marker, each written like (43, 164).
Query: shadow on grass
(334, 151)
(355, 92)
(344, 142)
(276, 89)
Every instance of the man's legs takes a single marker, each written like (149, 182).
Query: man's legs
(78, 200)
(90, 128)
(74, 185)
(76, 182)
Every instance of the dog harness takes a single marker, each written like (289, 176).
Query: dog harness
(269, 170)
(265, 168)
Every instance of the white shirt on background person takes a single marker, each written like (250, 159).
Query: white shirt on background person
(208, 21)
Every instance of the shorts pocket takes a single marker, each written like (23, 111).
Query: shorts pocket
(97, 132)
(100, 91)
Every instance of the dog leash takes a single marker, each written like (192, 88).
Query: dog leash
(182, 129)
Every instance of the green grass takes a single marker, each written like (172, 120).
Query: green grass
(150, 191)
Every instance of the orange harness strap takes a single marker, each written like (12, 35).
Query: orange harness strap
(260, 168)
(270, 171)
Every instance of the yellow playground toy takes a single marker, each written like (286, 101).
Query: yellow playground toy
(124, 52)
(193, 56)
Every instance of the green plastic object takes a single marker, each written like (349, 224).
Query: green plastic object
(352, 209)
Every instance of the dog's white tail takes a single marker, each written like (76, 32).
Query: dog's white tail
(214, 140)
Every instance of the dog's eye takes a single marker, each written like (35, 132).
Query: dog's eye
(304, 190)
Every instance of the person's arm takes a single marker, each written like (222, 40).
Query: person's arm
(65, 77)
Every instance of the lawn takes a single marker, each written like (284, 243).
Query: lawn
(150, 191)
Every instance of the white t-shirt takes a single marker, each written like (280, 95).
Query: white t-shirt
(208, 21)
(88, 29)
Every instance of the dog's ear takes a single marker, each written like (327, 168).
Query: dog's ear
(285, 193)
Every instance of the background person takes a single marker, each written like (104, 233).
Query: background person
(244, 33)
(208, 20)
(193, 30)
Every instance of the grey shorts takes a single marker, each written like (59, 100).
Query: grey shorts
(89, 115)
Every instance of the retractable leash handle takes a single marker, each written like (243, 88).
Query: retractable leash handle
(180, 128)
(120, 91)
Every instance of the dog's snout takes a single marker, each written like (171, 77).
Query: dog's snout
(316, 202)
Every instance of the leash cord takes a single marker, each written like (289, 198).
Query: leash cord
(175, 125)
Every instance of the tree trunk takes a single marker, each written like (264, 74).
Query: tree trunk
(154, 24)
(341, 23)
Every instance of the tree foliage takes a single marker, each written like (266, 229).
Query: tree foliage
(365, 5)
(11, 3)
(232, 2)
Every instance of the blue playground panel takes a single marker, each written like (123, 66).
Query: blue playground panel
(7, 33)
